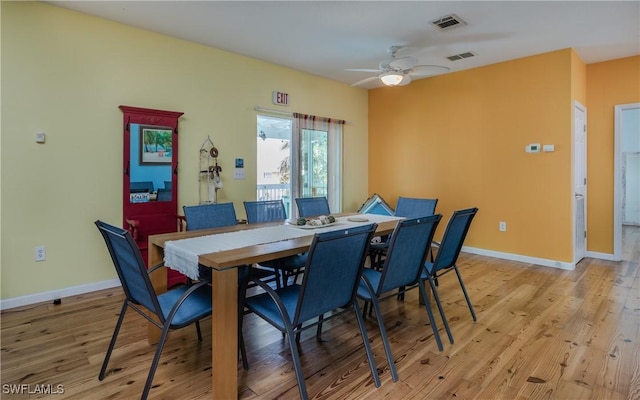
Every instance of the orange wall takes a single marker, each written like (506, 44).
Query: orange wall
(461, 137)
(609, 84)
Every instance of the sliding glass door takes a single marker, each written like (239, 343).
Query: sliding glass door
(294, 161)
(313, 163)
(273, 159)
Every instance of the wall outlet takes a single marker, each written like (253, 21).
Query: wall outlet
(502, 226)
(41, 253)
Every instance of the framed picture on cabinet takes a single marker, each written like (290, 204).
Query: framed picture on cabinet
(155, 145)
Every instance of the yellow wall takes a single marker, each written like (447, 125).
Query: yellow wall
(66, 73)
(461, 138)
(609, 84)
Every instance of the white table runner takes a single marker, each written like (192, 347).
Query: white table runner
(182, 255)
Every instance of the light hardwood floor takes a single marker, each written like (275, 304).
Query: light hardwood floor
(542, 333)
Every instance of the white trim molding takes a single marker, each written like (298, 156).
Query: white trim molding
(602, 256)
(57, 294)
(92, 287)
(517, 257)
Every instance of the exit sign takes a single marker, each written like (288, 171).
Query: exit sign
(281, 98)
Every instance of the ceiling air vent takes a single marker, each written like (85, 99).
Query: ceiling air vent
(448, 22)
(461, 56)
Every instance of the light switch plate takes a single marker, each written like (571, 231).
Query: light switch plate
(40, 137)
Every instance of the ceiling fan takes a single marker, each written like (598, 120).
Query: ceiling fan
(397, 71)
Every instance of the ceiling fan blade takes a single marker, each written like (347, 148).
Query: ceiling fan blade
(402, 63)
(363, 70)
(428, 70)
(406, 79)
(365, 80)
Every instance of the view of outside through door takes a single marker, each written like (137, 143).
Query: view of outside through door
(313, 163)
(274, 159)
(277, 176)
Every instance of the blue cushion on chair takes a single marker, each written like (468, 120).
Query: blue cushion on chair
(197, 305)
(374, 277)
(267, 310)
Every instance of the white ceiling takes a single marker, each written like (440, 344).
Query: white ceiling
(325, 38)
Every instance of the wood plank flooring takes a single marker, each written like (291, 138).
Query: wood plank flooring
(542, 333)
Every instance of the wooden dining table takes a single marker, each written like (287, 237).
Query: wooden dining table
(224, 281)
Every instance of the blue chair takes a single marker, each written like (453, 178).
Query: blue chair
(174, 309)
(332, 274)
(410, 207)
(407, 207)
(401, 270)
(447, 256)
(312, 206)
(265, 211)
(141, 187)
(274, 211)
(164, 195)
(207, 216)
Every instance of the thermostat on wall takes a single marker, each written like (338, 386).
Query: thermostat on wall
(532, 148)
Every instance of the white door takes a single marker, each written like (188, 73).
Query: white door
(580, 182)
(626, 171)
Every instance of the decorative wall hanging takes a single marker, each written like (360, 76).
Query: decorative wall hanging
(210, 181)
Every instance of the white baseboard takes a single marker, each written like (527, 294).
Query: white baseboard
(601, 256)
(92, 287)
(525, 259)
(57, 294)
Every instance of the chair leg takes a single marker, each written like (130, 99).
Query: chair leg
(243, 350)
(367, 345)
(113, 341)
(401, 291)
(385, 339)
(279, 277)
(365, 306)
(295, 356)
(199, 331)
(319, 328)
(432, 321)
(466, 296)
(156, 361)
(434, 290)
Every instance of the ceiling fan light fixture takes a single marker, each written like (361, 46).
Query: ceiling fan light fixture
(391, 78)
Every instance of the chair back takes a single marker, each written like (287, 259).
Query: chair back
(333, 270)
(207, 216)
(130, 267)
(312, 206)
(141, 187)
(408, 249)
(453, 239)
(164, 195)
(413, 208)
(265, 211)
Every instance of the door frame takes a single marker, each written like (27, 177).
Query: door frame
(577, 106)
(617, 179)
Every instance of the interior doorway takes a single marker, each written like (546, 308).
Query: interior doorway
(626, 175)
(579, 182)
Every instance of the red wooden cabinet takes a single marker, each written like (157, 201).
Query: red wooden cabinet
(150, 176)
